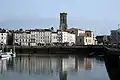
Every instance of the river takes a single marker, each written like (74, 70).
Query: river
(53, 67)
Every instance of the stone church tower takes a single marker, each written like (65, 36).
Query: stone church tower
(63, 21)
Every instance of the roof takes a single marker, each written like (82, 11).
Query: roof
(17, 31)
(88, 30)
(38, 30)
(76, 29)
(2, 30)
(54, 32)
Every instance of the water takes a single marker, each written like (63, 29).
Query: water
(53, 68)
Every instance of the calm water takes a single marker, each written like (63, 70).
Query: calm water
(53, 68)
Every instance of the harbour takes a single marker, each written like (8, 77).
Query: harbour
(53, 67)
(59, 40)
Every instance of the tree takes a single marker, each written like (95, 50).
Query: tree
(52, 29)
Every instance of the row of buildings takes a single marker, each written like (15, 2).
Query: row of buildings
(112, 39)
(40, 37)
(62, 36)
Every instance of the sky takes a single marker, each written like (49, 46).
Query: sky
(100, 16)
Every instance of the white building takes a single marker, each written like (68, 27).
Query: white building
(40, 37)
(54, 37)
(83, 37)
(22, 38)
(71, 38)
(3, 37)
(79, 33)
(32, 37)
(47, 36)
(65, 37)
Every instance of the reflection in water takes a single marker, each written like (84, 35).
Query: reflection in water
(50, 65)
(60, 66)
(3, 66)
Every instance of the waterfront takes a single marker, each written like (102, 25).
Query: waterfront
(53, 68)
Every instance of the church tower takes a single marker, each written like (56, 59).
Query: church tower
(63, 21)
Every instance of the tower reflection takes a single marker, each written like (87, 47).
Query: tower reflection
(47, 65)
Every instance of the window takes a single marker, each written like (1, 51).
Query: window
(80, 40)
(16, 40)
(33, 40)
(15, 36)
(89, 40)
(87, 34)
(54, 37)
(118, 33)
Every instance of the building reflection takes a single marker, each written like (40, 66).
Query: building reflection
(3, 66)
(88, 63)
(36, 64)
(50, 65)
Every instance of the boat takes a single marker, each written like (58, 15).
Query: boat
(9, 54)
(5, 58)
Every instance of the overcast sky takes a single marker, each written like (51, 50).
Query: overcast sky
(98, 15)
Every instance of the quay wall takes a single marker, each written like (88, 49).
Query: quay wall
(55, 50)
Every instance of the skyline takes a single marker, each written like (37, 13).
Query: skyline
(98, 16)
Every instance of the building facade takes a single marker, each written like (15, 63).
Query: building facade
(22, 38)
(54, 37)
(47, 36)
(83, 37)
(65, 37)
(3, 38)
(78, 34)
(115, 36)
(103, 39)
(89, 38)
(40, 37)
(35, 37)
